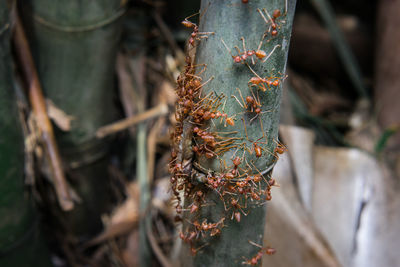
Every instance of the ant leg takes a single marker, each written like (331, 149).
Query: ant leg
(272, 51)
(200, 86)
(206, 33)
(244, 45)
(234, 154)
(198, 38)
(255, 244)
(262, 15)
(258, 76)
(240, 93)
(257, 99)
(263, 88)
(238, 101)
(266, 12)
(245, 130)
(202, 70)
(194, 76)
(227, 48)
(237, 49)
(226, 167)
(262, 130)
(223, 107)
(252, 119)
(261, 42)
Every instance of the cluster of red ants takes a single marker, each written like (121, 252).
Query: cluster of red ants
(237, 186)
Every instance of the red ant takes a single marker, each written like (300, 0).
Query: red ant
(261, 83)
(222, 115)
(280, 148)
(189, 237)
(254, 104)
(195, 35)
(254, 261)
(242, 56)
(237, 208)
(251, 101)
(236, 162)
(258, 149)
(272, 21)
(194, 250)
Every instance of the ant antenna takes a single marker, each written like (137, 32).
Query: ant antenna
(258, 76)
(266, 12)
(262, 15)
(192, 16)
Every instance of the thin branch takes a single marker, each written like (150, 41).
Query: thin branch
(38, 104)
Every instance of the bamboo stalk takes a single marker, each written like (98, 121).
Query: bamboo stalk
(74, 44)
(20, 240)
(43, 122)
(237, 28)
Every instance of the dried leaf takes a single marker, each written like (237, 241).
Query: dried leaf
(123, 219)
(58, 116)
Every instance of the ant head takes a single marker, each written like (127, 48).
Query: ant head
(276, 13)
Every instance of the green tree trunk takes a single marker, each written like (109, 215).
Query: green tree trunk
(253, 137)
(20, 241)
(74, 45)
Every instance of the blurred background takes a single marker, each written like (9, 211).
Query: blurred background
(86, 107)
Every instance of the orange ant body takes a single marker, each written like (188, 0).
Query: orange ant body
(257, 150)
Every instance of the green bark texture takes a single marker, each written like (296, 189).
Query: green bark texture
(231, 20)
(74, 45)
(19, 235)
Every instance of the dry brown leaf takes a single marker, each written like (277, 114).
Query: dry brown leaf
(123, 219)
(58, 116)
(131, 252)
(167, 93)
(289, 227)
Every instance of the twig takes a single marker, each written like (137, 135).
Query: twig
(151, 147)
(156, 248)
(43, 122)
(159, 110)
(142, 177)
